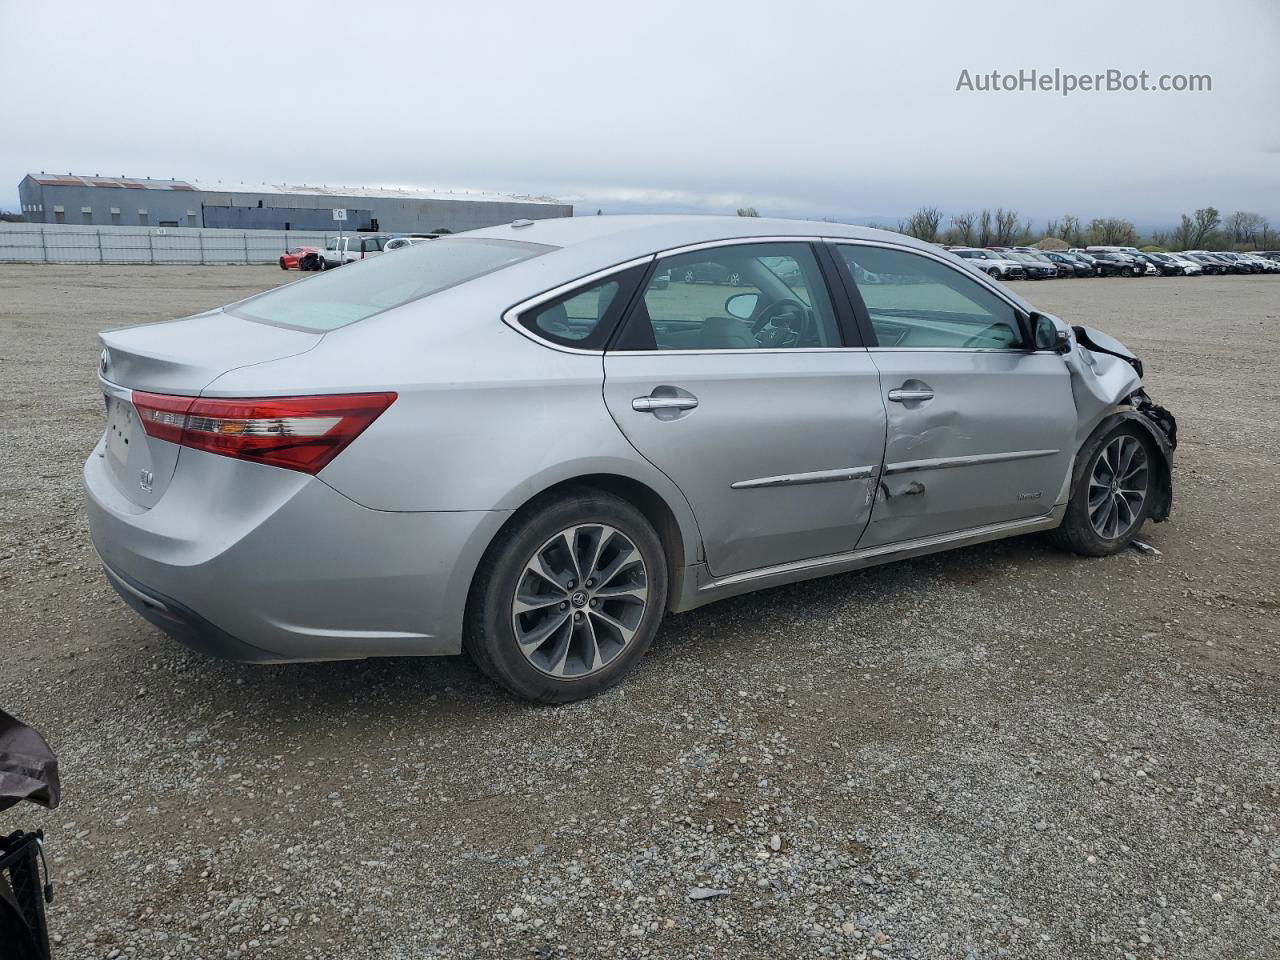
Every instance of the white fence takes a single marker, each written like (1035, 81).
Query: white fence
(65, 243)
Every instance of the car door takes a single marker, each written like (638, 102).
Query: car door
(981, 430)
(734, 378)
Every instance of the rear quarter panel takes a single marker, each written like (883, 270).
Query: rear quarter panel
(485, 417)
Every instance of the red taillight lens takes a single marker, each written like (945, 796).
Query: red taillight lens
(297, 433)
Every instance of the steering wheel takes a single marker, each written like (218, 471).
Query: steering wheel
(769, 333)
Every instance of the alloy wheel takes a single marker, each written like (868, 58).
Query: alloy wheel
(1118, 487)
(579, 601)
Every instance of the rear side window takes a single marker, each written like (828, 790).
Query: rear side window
(575, 318)
(586, 316)
(334, 299)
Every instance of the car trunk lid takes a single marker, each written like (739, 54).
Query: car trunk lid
(180, 358)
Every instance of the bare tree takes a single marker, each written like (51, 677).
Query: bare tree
(961, 231)
(748, 212)
(1247, 229)
(984, 229)
(1006, 227)
(1069, 230)
(923, 224)
(1199, 231)
(1112, 232)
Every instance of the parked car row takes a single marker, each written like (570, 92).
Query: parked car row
(1029, 263)
(348, 249)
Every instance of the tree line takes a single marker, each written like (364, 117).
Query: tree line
(1206, 228)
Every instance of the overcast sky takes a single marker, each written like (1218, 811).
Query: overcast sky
(840, 109)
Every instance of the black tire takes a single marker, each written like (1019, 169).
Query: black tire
(322, 263)
(282, 266)
(1126, 271)
(489, 636)
(1077, 533)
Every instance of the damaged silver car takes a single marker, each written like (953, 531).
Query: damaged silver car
(530, 442)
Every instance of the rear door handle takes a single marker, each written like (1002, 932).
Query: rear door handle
(902, 395)
(650, 404)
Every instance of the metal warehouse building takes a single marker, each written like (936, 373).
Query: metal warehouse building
(133, 202)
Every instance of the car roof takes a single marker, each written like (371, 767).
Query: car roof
(606, 240)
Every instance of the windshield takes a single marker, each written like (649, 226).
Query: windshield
(334, 299)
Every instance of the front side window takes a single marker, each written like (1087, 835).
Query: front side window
(748, 296)
(915, 301)
(334, 299)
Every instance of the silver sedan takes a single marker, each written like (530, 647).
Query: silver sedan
(530, 442)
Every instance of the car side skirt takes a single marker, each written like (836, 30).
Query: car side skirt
(701, 588)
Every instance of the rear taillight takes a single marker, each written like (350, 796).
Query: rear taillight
(297, 433)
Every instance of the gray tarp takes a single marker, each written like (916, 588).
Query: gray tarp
(28, 768)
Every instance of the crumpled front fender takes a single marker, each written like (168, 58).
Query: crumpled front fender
(1106, 382)
(1101, 380)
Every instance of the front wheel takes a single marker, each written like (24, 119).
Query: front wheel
(568, 598)
(1113, 495)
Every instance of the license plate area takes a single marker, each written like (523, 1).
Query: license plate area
(140, 465)
(122, 427)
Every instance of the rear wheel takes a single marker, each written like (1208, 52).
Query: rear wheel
(1114, 493)
(568, 598)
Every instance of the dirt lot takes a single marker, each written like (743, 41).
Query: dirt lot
(997, 752)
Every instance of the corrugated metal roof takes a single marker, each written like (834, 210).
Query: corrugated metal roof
(71, 180)
(284, 189)
(393, 192)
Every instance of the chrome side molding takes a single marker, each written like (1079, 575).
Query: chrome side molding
(798, 479)
(973, 460)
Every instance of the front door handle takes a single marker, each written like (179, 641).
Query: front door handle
(903, 395)
(651, 404)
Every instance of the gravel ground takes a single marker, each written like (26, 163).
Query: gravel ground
(997, 752)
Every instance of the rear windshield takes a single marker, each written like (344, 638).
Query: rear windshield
(359, 290)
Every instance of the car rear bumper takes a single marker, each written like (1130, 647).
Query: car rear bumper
(184, 624)
(261, 564)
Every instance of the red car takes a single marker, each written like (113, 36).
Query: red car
(292, 259)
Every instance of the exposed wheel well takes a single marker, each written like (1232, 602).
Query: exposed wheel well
(640, 496)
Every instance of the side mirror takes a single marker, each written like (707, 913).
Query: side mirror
(1047, 334)
(742, 305)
